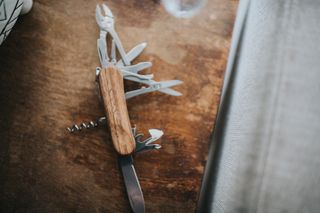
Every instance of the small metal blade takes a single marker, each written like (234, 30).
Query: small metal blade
(132, 184)
(143, 79)
(170, 91)
(133, 53)
(137, 67)
(165, 87)
(169, 83)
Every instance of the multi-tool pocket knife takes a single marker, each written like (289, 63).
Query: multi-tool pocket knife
(110, 77)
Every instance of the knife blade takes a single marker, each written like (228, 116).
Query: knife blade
(132, 185)
(133, 53)
(137, 67)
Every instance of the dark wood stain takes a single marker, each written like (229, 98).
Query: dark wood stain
(47, 75)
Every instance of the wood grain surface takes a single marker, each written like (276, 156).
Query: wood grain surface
(114, 102)
(47, 83)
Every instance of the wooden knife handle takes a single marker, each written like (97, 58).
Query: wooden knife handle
(114, 101)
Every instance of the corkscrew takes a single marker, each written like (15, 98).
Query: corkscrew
(88, 125)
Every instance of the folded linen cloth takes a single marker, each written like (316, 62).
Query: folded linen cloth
(264, 155)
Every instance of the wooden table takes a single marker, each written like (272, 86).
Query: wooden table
(47, 75)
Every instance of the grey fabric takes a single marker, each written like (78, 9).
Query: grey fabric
(265, 153)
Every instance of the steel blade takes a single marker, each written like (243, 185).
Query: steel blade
(137, 67)
(132, 184)
(165, 87)
(170, 91)
(133, 53)
(169, 83)
(143, 79)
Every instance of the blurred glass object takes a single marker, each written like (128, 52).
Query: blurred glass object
(183, 8)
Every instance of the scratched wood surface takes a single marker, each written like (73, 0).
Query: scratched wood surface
(47, 82)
